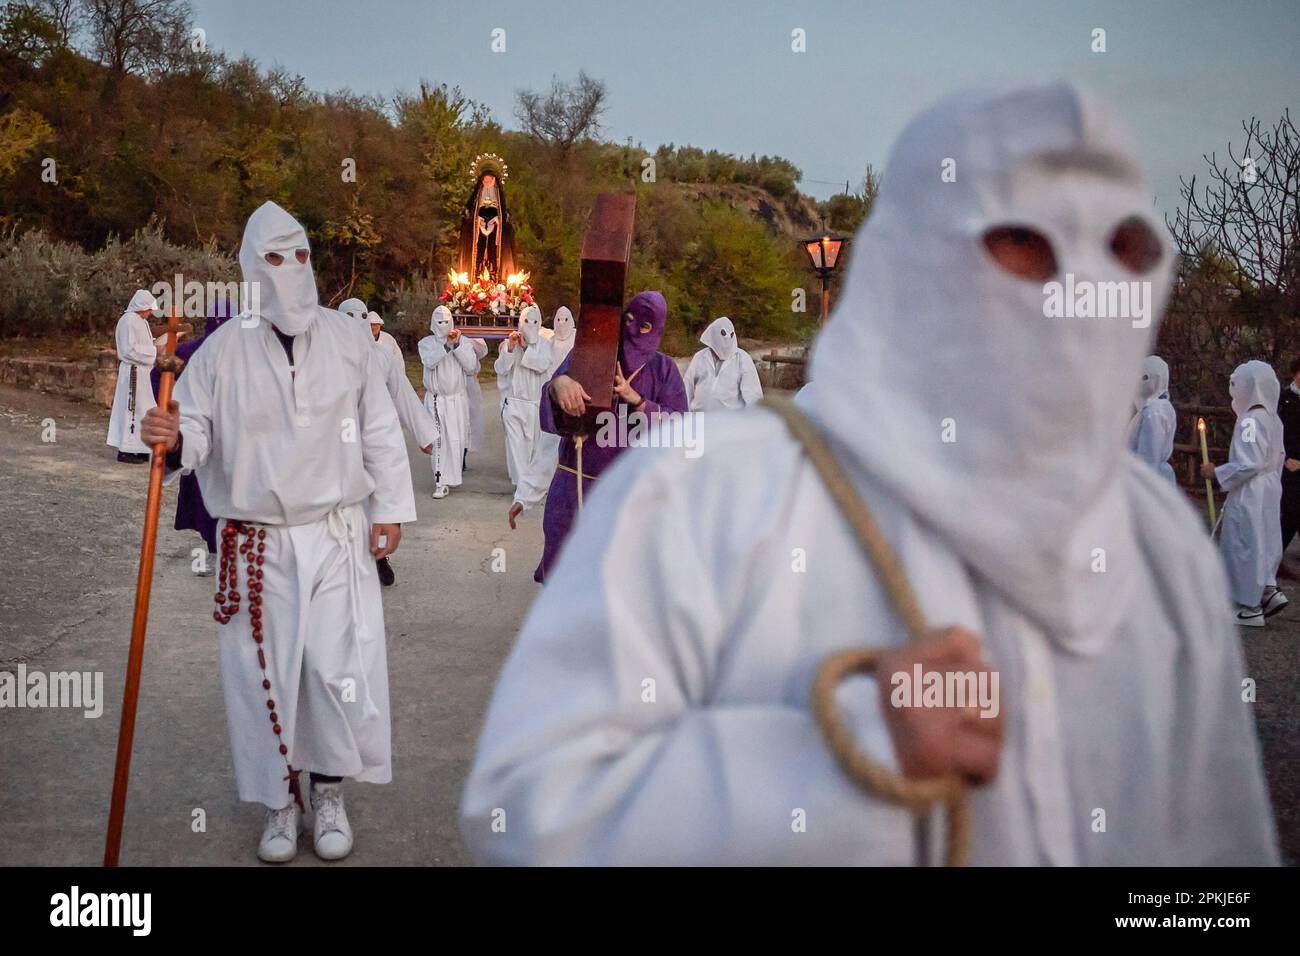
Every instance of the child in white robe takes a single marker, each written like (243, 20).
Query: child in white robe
(533, 484)
(1250, 534)
(447, 360)
(136, 353)
(721, 375)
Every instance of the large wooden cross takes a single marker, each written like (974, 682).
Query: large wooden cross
(606, 251)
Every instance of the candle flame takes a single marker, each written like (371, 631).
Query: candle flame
(1200, 424)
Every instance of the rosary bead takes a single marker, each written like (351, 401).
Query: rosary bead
(276, 728)
(266, 684)
(283, 750)
(270, 705)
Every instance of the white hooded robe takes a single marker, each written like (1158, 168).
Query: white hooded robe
(533, 484)
(445, 371)
(719, 583)
(1250, 536)
(304, 455)
(1151, 432)
(528, 369)
(136, 351)
(722, 375)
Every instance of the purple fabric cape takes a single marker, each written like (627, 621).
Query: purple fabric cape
(659, 383)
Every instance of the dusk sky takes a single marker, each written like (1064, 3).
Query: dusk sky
(721, 73)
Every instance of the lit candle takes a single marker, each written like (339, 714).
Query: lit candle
(1205, 459)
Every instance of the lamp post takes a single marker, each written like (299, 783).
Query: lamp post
(823, 252)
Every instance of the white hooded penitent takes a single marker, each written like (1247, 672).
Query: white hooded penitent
(528, 368)
(988, 440)
(1151, 431)
(133, 395)
(1251, 533)
(311, 457)
(445, 369)
(721, 375)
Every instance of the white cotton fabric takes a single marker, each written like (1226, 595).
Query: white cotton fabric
(306, 455)
(721, 375)
(323, 630)
(411, 413)
(728, 578)
(474, 395)
(445, 371)
(135, 350)
(528, 368)
(1151, 431)
(1250, 536)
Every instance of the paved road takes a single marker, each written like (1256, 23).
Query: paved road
(69, 537)
(69, 542)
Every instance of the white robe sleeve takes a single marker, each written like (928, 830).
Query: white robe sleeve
(134, 341)
(415, 418)
(505, 363)
(431, 351)
(1246, 459)
(382, 448)
(537, 357)
(194, 394)
(588, 771)
(466, 356)
(692, 376)
(751, 389)
(1149, 442)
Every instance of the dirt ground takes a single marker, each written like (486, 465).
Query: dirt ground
(69, 541)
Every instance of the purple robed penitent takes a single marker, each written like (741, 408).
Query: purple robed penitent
(191, 513)
(659, 384)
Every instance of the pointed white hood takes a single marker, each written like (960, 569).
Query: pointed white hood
(353, 308)
(142, 300)
(1254, 383)
(1155, 380)
(563, 324)
(721, 337)
(530, 324)
(941, 378)
(286, 294)
(441, 323)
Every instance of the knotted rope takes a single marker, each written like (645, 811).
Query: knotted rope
(917, 795)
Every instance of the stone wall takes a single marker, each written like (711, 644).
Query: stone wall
(84, 381)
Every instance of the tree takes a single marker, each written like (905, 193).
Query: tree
(137, 36)
(1237, 295)
(565, 114)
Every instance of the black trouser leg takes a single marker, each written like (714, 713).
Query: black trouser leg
(1290, 507)
(323, 778)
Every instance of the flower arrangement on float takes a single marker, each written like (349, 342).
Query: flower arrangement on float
(484, 295)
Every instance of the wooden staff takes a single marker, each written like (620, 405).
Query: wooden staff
(143, 583)
(1209, 485)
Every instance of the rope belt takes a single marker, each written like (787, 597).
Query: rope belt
(917, 795)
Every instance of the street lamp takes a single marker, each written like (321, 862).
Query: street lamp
(824, 255)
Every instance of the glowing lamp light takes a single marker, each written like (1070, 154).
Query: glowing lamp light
(824, 251)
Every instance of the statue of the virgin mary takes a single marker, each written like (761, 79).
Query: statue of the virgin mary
(487, 237)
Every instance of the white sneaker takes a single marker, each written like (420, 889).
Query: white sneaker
(441, 491)
(209, 567)
(1250, 616)
(280, 835)
(333, 833)
(1274, 601)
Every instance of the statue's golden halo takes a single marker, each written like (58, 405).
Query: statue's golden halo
(489, 163)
